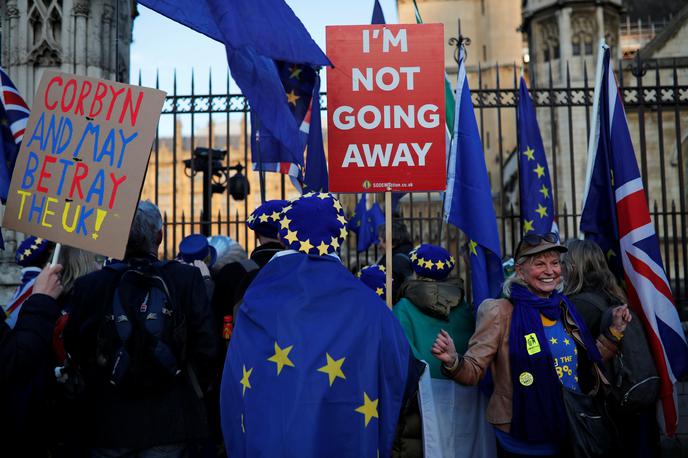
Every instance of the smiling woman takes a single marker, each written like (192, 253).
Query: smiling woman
(540, 353)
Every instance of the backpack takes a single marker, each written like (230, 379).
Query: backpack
(142, 338)
(632, 371)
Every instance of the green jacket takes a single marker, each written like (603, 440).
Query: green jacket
(427, 307)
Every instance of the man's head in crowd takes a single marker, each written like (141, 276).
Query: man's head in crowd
(145, 235)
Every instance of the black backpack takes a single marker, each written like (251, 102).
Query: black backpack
(142, 338)
(632, 372)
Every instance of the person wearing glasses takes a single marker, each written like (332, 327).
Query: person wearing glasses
(537, 347)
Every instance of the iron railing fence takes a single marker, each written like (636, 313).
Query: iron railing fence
(655, 95)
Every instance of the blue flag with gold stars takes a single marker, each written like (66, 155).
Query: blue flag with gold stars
(468, 200)
(256, 34)
(317, 365)
(535, 187)
(365, 222)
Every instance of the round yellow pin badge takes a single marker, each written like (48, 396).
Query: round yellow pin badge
(526, 378)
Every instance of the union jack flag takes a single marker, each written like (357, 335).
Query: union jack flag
(14, 113)
(21, 294)
(616, 215)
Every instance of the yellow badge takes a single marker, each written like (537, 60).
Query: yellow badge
(532, 344)
(526, 378)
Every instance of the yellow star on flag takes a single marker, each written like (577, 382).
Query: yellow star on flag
(567, 342)
(323, 247)
(245, 379)
(420, 262)
(27, 252)
(452, 260)
(286, 209)
(544, 191)
(305, 246)
(39, 240)
(281, 357)
(530, 153)
(553, 340)
(333, 368)
(334, 243)
(528, 226)
(379, 291)
(429, 264)
(540, 170)
(323, 195)
(382, 268)
(284, 223)
(341, 219)
(413, 256)
(471, 247)
(440, 265)
(368, 409)
(295, 71)
(264, 218)
(542, 211)
(342, 232)
(251, 218)
(275, 216)
(291, 236)
(292, 97)
(336, 204)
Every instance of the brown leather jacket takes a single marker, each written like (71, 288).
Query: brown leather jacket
(489, 347)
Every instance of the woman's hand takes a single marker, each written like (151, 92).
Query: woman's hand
(48, 282)
(621, 316)
(444, 350)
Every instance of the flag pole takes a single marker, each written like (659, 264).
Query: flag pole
(388, 247)
(261, 172)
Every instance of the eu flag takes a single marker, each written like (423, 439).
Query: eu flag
(535, 187)
(315, 178)
(267, 151)
(468, 200)
(317, 366)
(256, 33)
(364, 223)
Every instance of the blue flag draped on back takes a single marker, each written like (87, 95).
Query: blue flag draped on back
(535, 187)
(468, 200)
(617, 217)
(378, 15)
(315, 178)
(268, 153)
(317, 366)
(364, 223)
(255, 34)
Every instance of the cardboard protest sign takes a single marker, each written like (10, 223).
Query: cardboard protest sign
(82, 162)
(386, 108)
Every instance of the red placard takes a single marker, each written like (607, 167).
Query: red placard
(385, 108)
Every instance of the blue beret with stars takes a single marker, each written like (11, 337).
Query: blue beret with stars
(313, 224)
(31, 250)
(265, 219)
(374, 277)
(431, 261)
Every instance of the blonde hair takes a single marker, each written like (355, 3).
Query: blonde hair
(585, 267)
(514, 278)
(75, 263)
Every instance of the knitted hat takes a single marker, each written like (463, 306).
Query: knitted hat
(313, 224)
(431, 261)
(374, 277)
(31, 251)
(265, 219)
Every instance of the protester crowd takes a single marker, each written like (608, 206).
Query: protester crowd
(284, 352)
